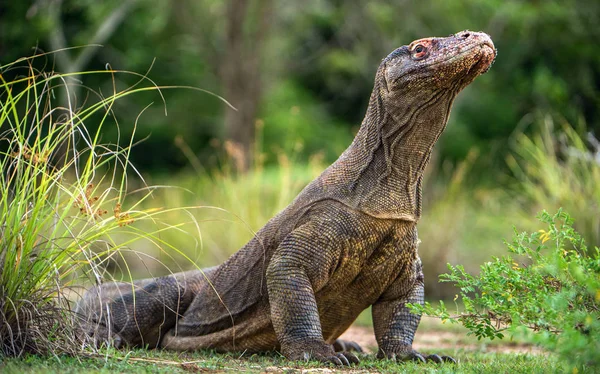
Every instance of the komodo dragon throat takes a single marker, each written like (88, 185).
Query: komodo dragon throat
(347, 242)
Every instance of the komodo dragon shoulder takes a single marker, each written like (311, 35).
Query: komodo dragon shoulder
(348, 241)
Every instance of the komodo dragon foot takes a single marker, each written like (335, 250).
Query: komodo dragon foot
(100, 335)
(322, 352)
(409, 354)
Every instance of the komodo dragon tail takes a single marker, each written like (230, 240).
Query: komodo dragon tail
(137, 313)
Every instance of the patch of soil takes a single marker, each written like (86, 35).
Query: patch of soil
(432, 340)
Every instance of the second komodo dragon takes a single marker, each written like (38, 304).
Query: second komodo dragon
(347, 242)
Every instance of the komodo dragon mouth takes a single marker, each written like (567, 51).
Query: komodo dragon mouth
(347, 242)
(488, 56)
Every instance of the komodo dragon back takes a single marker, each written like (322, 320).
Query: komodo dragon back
(348, 241)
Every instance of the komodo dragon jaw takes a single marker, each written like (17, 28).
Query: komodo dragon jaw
(347, 242)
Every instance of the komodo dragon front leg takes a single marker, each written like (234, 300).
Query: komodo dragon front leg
(300, 268)
(395, 325)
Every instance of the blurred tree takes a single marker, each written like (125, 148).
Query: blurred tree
(548, 60)
(241, 70)
(70, 61)
(50, 15)
(130, 44)
(234, 40)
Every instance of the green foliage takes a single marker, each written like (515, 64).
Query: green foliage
(545, 61)
(549, 283)
(308, 130)
(327, 50)
(222, 209)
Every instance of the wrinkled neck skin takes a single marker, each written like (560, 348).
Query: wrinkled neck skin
(407, 133)
(380, 173)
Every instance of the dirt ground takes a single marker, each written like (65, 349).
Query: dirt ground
(435, 336)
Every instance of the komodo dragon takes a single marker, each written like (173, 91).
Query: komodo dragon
(347, 242)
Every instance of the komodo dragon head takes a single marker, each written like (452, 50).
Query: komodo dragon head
(416, 71)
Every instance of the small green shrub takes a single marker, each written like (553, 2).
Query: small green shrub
(549, 283)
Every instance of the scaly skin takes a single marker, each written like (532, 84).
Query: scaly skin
(347, 242)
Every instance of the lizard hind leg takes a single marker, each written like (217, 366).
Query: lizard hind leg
(133, 314)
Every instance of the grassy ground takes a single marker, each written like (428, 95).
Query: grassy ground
(160, 362)
(474, 356)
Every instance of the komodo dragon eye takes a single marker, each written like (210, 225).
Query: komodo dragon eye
(419, 51)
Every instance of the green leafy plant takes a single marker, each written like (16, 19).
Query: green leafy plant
(548, 284)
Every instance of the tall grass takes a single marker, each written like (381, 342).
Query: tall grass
(556, 167)
(63, 201)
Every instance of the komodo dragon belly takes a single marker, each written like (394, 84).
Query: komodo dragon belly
(340, 302)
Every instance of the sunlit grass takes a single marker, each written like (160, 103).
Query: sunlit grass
(143, 361)
(557, 167)
(228, 206)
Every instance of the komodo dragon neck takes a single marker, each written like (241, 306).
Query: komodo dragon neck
(381, 171)
(389, 154)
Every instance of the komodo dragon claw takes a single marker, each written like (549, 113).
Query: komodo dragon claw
(322, 352)
(440, 359)
(416, 356)
(341, 345)
(337, 359)
(100, 335)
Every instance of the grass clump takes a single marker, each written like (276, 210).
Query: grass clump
(557, 167)
(63, 200)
